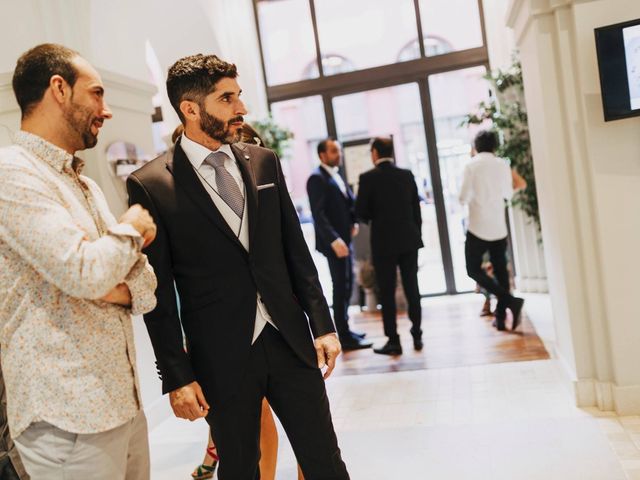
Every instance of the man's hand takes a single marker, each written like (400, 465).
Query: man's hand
(327, 348)
(140, 219)
(340, 248)
(354, 230)
(188, 402)
(120, 295)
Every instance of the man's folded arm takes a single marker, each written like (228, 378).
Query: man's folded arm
(36, 224)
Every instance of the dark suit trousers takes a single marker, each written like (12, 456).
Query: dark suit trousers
(341, 270)
(474, 250)
(296, 393)
(386, 268)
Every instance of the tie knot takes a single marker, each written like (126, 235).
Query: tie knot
(216, 159)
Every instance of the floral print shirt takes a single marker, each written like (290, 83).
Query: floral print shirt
(68, 358)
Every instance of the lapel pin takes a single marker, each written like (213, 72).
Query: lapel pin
(246, 156)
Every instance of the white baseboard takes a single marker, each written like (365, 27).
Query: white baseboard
(627, 400)
(607, 396)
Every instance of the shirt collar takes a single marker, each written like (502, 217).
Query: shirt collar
(197, 153)
(331, 170)
(485, 155)
(384, 159)
(55, 156)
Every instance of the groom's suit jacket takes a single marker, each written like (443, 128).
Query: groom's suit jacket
(217, 279)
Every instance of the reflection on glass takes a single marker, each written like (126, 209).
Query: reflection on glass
(305, 118)
(331, 65)
(396, 111)
(287, 38)
(453, 95)
(447, 29)
(368, 33)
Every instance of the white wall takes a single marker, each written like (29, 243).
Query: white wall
(112, 35)
(588, 175)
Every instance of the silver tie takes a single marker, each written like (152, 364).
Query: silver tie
(228, 188)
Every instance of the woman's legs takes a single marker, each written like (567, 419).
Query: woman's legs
(268, 443)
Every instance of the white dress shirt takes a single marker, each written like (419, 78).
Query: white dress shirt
(334, 172)
(486, 184)
(197, 154)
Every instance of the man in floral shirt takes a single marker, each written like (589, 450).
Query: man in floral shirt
(71, 276)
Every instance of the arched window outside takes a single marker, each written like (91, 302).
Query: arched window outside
(331, 65)
(433, 45)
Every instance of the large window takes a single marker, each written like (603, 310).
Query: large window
(288, 45)
(359, 68)
(350, 29)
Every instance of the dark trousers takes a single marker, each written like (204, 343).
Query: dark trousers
(341, 270)
(474, 250)
(386, 268)
(296, 393)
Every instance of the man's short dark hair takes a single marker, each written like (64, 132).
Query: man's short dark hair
(34, 71)
(322, 146)
(382, 145)
(486, 141)
(194, 77)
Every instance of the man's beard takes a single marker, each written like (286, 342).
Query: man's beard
(80, 119)
(219, 130)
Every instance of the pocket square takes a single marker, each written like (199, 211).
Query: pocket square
(266, 185)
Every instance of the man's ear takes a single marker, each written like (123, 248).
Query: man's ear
(190, 110)
(60, 89)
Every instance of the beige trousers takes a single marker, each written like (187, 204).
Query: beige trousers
(49, 453)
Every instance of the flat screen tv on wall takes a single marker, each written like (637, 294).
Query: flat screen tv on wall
(618, 48)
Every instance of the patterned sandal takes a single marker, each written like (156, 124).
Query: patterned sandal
(204, 471)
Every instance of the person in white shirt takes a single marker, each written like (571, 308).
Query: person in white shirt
(487, 183)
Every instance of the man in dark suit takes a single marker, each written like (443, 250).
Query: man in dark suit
(335, 224)
(388, 198)
(250, 300)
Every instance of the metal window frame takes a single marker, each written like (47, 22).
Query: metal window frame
(413, 71)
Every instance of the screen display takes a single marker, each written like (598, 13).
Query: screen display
(618, 48)
(631, 36)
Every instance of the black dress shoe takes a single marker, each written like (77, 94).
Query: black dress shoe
(389, 348)
(353, 343)
(417, 339)
(516, 309)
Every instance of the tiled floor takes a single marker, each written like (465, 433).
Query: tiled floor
(509, 421)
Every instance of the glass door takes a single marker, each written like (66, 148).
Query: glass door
(454, 95)
(396, 111)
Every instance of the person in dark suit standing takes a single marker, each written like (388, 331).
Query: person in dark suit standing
(388, 198)
(335, 224)
(251, 304)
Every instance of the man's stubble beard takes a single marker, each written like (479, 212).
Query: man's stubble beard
(79, 120)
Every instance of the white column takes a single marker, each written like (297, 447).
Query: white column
(585, 177)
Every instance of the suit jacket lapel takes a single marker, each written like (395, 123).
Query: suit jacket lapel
(187, 178)
(243, 157)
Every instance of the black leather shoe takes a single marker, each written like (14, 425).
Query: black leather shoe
(389, 348)
(516, 309)
(354, 344)
(417, 339)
